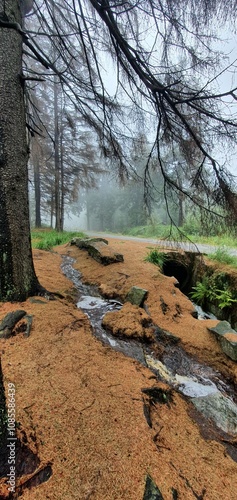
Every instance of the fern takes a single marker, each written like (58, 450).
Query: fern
(207, 290)
(201, 292)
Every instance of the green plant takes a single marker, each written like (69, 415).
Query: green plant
(207, 290)
(45, 240)
(191, 229)
(201, 291)
(225, 298)
(156, 257)
(192, 226)
(221, 255)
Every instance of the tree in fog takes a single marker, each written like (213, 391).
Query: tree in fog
(64, 158)
(158, 47)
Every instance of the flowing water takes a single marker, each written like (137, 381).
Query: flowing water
(202, 314)
(202, 385)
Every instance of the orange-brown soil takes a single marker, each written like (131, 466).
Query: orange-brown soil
(81, 404)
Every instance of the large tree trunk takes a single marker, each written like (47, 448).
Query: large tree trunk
(17, 275)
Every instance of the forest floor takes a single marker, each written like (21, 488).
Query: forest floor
(80, 406)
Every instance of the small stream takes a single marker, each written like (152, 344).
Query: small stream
(202, 314)
(212, 397)
(92, 304)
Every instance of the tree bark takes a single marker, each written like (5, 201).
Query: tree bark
(17, 276)
(37, 188)
(56, 157)
(62, 187)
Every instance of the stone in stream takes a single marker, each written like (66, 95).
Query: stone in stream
(98, 249)
(220, 409)
(227, 338)
(136, 296)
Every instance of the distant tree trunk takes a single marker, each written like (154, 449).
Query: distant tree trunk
(62, 195)
(17, 275)
(181, 210)
(56, 158)
(101, 222)
(37, 194)
(51, 210)
(88, 222)
(181, 197)
(62, 187)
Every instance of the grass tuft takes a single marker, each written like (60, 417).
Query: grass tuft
(156, 257)
(46, 240)
(221, 255)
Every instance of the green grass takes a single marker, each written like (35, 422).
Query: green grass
(47, 239)
(151, 231)
(223, 241)
(156, 257)
(221, 255)
(160, 231)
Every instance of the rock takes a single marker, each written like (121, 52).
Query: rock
(8, 323)
(227, 338)
(33, 300)
(229, 345)
(29, 319)
(84, 242)
(221, 328)
(165, 336)
(220, 409)
(98, 249)
(131, 321)
(136, 296)
(152, 491)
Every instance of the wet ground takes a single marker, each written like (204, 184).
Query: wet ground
(214, 400)
(104, 421)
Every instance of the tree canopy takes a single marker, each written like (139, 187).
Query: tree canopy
(126, 68)
(165, 74)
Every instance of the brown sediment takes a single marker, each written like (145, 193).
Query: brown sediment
(81, 404)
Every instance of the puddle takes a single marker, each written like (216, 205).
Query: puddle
(203, 386)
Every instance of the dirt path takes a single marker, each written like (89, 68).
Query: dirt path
(80, 405)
